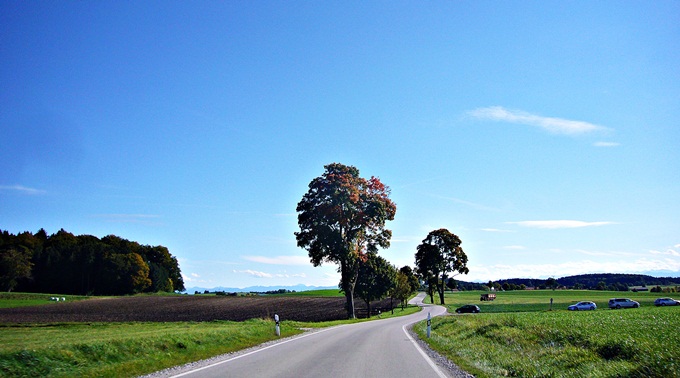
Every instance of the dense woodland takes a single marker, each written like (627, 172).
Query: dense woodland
(67, 264)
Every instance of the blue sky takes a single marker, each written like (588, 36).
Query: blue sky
(545, 135)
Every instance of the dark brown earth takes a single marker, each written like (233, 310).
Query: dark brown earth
(185, 308)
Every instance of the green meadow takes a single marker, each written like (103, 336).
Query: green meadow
(8, 300)
(519, 335)
(128, 349)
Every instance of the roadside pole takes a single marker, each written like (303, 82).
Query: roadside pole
(429, 325)
(278, 328)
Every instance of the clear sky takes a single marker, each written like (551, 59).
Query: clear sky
(544, 134)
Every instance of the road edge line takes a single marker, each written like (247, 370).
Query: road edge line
(253, 352)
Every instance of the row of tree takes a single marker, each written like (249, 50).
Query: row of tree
(86, 265)
(342, 221)
(599, 281)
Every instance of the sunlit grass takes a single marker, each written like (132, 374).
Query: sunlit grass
(517, 335)
(9, 300)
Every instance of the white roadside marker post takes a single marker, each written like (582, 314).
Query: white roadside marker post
(278, 328)
(429, 325)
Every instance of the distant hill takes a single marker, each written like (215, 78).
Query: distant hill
(257, 289)
(592, 280)
(614, 281)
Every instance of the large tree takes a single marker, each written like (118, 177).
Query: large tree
(376, 279)
(440, 254)
(342, 218)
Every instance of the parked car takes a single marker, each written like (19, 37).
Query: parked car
(666, 302)
(470, 309)
(585, 305)
(623, 303)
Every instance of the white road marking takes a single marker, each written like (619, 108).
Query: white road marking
(253, 352)
(422, 353)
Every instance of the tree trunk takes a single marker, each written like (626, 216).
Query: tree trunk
(440, 289)
(348, 287)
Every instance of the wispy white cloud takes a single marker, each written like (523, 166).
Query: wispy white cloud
(259, 274)
(668, 252)
(279, 260)
(470, 204)
(551, 124)
(495, 230)
(606, 144)
(554, 224)
(22, 189)
(605, 253)
(148, 219)
(255, 273)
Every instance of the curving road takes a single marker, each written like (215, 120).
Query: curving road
(379, 348)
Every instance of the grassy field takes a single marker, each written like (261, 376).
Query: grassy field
(120, 349)
(130, 349)
(518, 335)
(8, 300)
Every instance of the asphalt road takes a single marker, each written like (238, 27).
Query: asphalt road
(380, 348)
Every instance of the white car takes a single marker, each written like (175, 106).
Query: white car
(666, 302)
(586, 305)
(623, 303)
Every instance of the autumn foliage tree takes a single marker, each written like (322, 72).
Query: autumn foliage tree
(440, 254)
(342, 218)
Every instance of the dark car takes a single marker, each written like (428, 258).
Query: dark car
(469, 309)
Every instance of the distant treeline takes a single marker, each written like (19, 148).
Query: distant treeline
(602, 281)
(85, 265)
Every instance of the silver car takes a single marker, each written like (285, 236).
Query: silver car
(666, 302)
(586, 305)
(623, 303)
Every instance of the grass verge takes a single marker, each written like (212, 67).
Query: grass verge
(539, 343)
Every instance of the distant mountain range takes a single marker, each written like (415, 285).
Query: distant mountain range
(257, 289)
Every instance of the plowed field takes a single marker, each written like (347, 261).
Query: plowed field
(183, 308)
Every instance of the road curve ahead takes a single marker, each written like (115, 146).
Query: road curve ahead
(379, 348)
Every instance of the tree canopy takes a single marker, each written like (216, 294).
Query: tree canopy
(342, 218)
(405, 285)
(376, 279)
(68, 264)
(438, 255)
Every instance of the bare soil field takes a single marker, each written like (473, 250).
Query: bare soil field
(185, 308)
